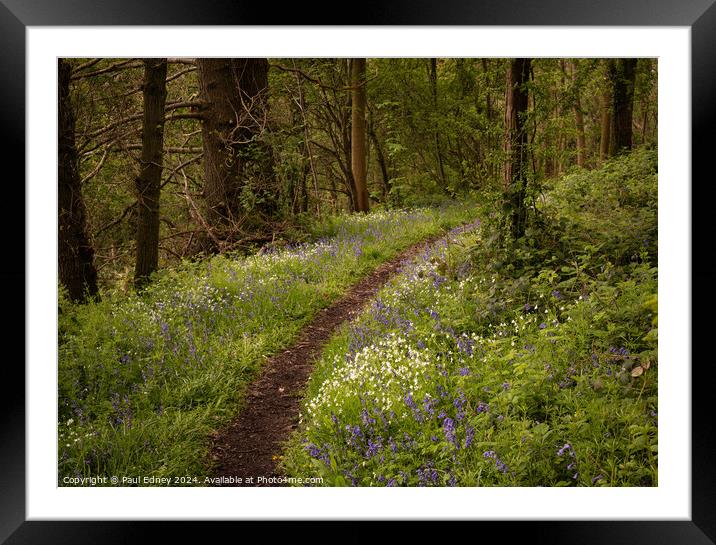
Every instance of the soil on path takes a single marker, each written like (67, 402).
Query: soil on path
(249, 446)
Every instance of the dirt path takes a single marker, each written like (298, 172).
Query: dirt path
(247, 446)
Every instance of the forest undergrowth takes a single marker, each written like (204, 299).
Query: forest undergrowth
(488, 362)
(145, 379)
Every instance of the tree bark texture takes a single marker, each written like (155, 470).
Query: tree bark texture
(622, 74)
(358, 134)
(76, 267)
(148, 183)
(515, 145)
(238, 163)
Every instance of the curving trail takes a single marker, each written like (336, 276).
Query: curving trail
(247, 447)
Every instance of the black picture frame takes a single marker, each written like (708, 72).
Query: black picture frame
(16, 15)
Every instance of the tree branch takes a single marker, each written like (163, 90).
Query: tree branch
(121, 65)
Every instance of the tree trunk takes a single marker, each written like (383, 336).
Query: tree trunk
(515, 171)
(75, 253)
(579, 120)
(149, 181)
(433, 71)
(622, 74)
(606, 125)
(381, 161)
(358, 134)
(238, 164)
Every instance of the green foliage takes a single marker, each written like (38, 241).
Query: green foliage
(145, 379)
(476, 367)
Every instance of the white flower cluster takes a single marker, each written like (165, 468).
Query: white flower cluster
(381, 373)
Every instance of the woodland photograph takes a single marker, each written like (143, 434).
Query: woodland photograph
(370, 272)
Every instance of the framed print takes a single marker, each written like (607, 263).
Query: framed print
(680, 39)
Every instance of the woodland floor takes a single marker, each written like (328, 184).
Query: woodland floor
(250, 444)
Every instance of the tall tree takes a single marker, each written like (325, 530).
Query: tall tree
(75, 253)
(515, 144)
(148, 183)
(358, 134)
(433, 75)
(578, 116)
(622, 75)
(606, 123)
(238, 163)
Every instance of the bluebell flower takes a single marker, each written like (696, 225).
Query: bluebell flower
(469, 435)
(449, 430)
(366, 418)
(373, 448)
(429, 405)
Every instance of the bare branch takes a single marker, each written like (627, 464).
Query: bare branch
(196, 214)
(181, 60)
(184, 116)
(181, 73)
(170, 149)
(180, 167)
(117, 221)
(97, 168)
(86, 65)
(117, 66)
(318, 81)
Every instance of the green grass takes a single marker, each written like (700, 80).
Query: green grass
(489, 363)
(145, 379)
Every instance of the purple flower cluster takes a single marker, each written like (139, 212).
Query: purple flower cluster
(122, 410)
(429, 405)
(319, 454)
(501, 466)
(568, 451)
(568, 381)
(465, 345)
(449, 431)
(373, 447)
(428, 475)
(469, 435)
